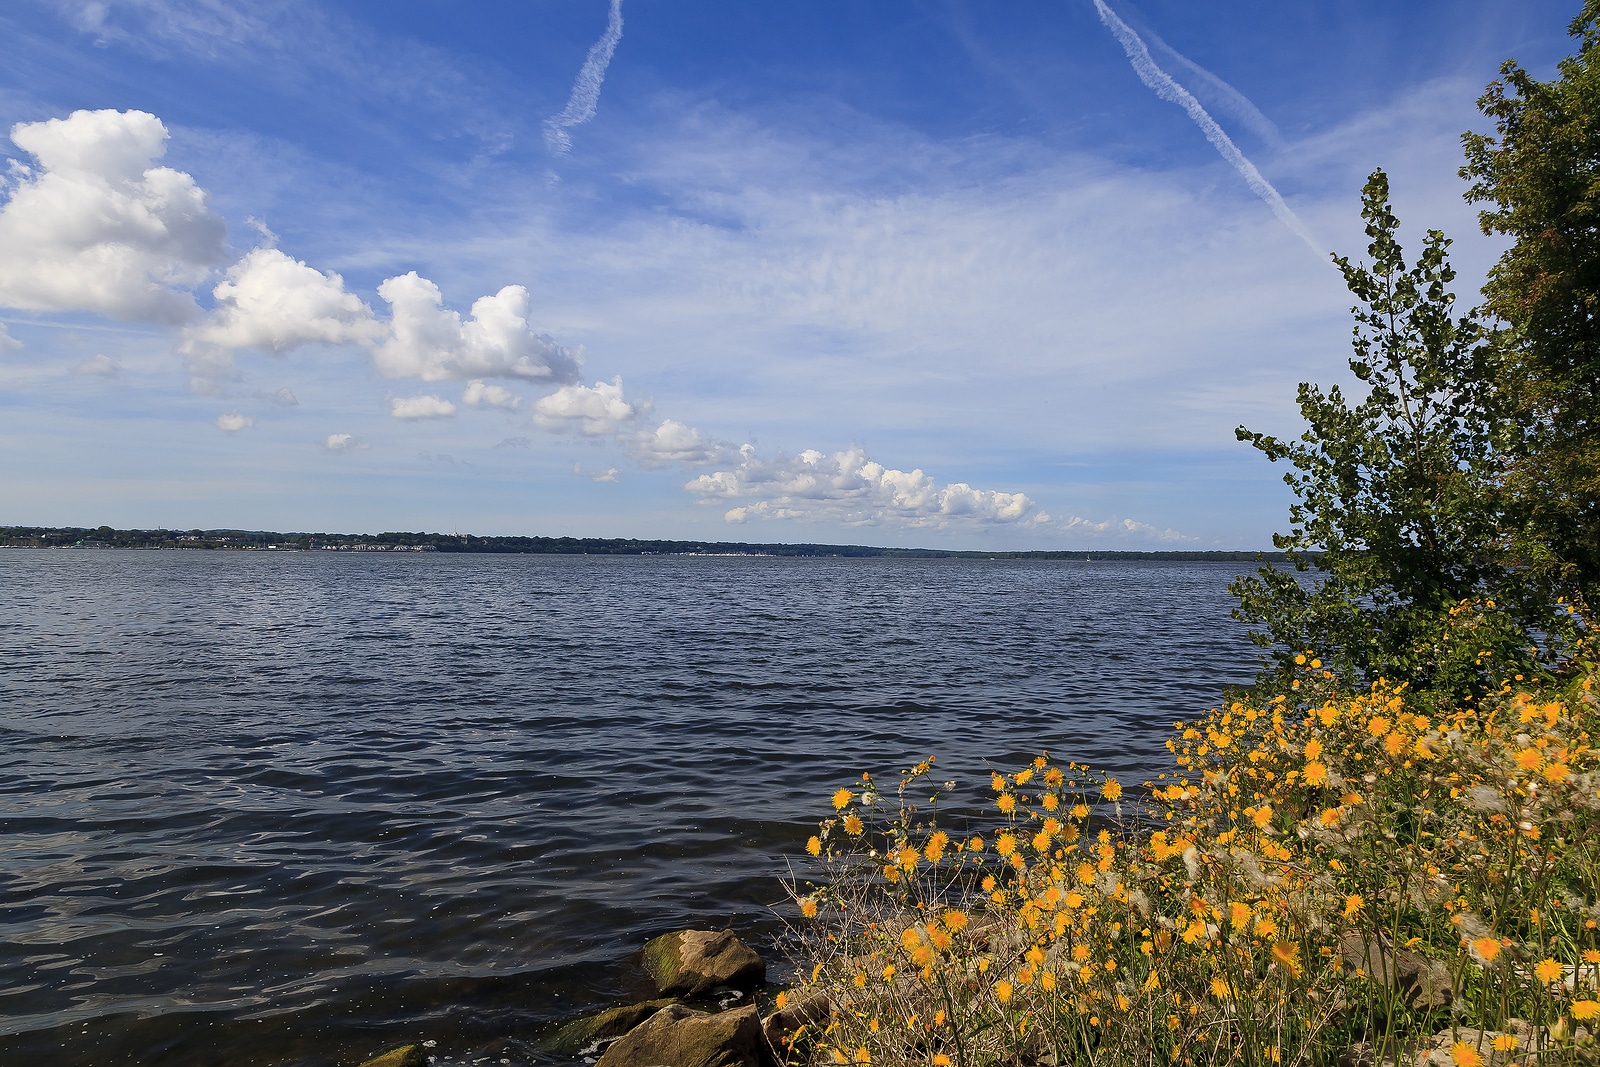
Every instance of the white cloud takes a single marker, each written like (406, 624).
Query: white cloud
(421, 407)
(7, 342)
(599, 410)
(99, 365)
(283, 397)
(479, 395)
(95, 227)
(233, 422)
(585, 96)
(602, 410)
(342, 442)
(673, 442)
(850, 487)
(429, 341)
(610, 474)
(274, 302)
(1122, 530)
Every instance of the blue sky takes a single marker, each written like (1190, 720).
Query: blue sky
(948, 274)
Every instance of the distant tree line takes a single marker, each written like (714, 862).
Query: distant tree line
(239, 540)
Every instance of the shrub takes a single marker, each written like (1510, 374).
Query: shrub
(1326, 876)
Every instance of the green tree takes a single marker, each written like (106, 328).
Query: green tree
(1395, 513)
(1541, 174)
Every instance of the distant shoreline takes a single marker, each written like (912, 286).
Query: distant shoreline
(266, 540)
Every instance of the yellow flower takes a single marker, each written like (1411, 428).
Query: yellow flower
(954, 921)
(853, 825)
(1262, 816)
(1313, 749)
(1556, 772)
(1529, 759)
(1584, 1010)
(814, 845)
(1005, 844)
(1352, 905)
(1316, 774)
(1041, 841)
(936, 846)
(1591, 955)
(1002, 991)
(1505, 1042)
(1547, 970)
(1023, 777)
(1286, 954)
(1464, 1055)
(1195, 931)
(1219, 988)
(842, 799)
(1377, 726)
(863, 1056)
(1239, 914)
(1173, 1022)
(1111, 790)
(1485, 948)
(1006, 803)
(888, 972)
(808, 907)
(1395, 743)
(1085, 874)
(998, 782)
(941, 1060)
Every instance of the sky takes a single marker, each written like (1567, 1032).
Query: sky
(956, 273)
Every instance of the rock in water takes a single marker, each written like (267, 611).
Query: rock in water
(693, 961)
(677, 1036)
(572, 1038)
(404, 1056)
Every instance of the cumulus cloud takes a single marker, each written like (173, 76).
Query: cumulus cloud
(479, 395)
(602, 410)
(421, 407)
(850, 487)
(342, 442)
(233, 422)
(284, 397)
(94, 226)
(429, 341)
(597, 411)
(1121, 529)
(99, 365)
(610, 474)
(274, 302)
(7, 342)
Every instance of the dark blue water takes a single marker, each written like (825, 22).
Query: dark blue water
(295, 808)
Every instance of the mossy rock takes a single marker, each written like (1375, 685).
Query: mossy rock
(404, 1056)
(680, 1037)
(691, 962)
(576, 1035)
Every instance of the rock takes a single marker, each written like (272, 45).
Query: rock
(575, 1036)
(782, 1025)
(404, 1056)
(692, 961)
(677, 1036)
(1425, 983)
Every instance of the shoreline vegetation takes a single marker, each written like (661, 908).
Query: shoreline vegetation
(263, 540)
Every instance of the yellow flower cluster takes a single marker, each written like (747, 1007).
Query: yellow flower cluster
(1320, 871)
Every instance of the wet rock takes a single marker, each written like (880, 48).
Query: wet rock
(1425, 983)
(781, 1027)
(691, 962)
(677, 1036)
(589, 1032)
(404, 1056)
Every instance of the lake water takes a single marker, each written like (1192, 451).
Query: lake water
(296, 808)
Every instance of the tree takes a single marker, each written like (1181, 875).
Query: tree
(1541, 175)
(1396, 496)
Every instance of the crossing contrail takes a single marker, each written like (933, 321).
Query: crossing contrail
(1168, 89)
(586, 87)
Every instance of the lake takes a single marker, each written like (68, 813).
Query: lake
(294, 808)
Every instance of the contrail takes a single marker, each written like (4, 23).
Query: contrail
(1230, 99)
(1168, 89)
(586, 87)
